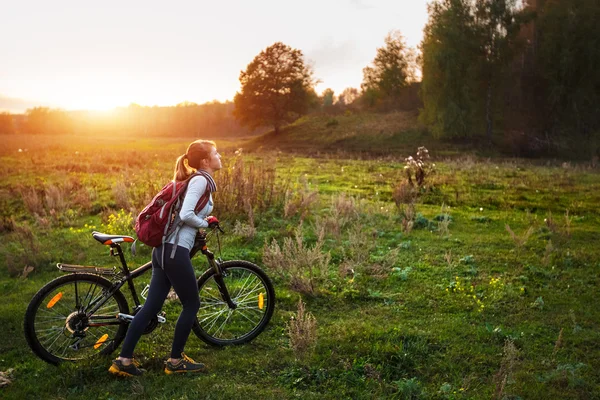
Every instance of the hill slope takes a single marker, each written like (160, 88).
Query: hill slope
(394, 134)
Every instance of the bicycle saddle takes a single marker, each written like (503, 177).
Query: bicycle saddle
(110, 239)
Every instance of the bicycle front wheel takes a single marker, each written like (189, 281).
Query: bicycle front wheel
(58, 327)
(252, 292)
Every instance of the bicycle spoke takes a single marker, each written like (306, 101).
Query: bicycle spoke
(244, 315)
(254, 290)
(224, 322)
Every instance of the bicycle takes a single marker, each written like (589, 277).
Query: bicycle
(84, 313)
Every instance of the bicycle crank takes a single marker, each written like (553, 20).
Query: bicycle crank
(128, 317)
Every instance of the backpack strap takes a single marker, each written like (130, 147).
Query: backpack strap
(202, 202)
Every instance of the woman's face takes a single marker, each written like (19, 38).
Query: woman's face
(214, 160)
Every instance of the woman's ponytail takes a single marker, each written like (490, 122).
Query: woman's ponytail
(182, 171)
(196, 152)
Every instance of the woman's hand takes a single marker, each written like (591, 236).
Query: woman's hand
(212, 221)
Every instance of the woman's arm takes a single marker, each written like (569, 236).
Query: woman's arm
(196, 188)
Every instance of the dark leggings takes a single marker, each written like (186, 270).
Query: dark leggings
(179, 273)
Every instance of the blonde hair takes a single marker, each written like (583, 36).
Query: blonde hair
(196, 152)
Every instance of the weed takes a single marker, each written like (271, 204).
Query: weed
(481, 219)
(239, 181)
(26, 271)
(342, 210)
(448, 258)
(360, 244)
(418, 168)
(407, 217)
(246, 230)
(302, 331)
(443, 222)
(32, 200)
(557, 345)
(568, 221)
(507, 367)
(550, 222)
(120, 195)
(519, 241)
(420, 222)
(538, 303)
(300, 201)
(26, 250)
(547, 253)
(566, 375)
(120, 223)
(576, 327)
(408, 388)
(401, 273)
(56, 198)
(404, 194)
(301, 265)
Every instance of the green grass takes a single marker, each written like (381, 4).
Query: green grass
(391, 329)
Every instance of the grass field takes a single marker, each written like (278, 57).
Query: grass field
(484, 287)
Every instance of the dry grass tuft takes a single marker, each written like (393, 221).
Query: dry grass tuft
(342, 210)
(246, 230)
(32, 200)
(558, 344)
(302, 330)
(407, 217)
(121, 195)
(507, 366)
(547, 253)
(404, 194)
(253, 181)
(300, 201)
(303, 266)
(519, 241)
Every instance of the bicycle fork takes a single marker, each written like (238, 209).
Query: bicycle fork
(219, 274)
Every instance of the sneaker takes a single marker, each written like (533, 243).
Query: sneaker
(184, 365)
(117, 368)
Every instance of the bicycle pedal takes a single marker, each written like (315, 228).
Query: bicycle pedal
(161, 317)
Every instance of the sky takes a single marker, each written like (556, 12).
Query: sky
(99, 55)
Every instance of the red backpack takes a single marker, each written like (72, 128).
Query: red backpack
(156, 221)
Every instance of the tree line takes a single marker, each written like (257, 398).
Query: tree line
(209, 120)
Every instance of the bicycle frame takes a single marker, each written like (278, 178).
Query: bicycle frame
(128, 276)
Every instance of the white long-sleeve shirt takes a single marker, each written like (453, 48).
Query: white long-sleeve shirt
(192, 221)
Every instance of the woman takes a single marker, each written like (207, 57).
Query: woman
(177, 271)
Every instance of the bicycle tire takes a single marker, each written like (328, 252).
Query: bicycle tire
(52, 314)
(234, 326)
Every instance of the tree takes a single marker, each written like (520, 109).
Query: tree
(277, 88)
(348, 96)
(568, 66)
(7, 125)
(392, 70)
(466, 49)
(449, 56)
(328, 97)
(498, 23)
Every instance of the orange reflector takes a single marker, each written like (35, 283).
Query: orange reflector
(101, 341)
(54, 300)
(261, 301)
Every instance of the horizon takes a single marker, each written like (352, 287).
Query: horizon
(91, 57)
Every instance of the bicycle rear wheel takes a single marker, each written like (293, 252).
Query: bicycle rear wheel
(57, 327)
(250, 289)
